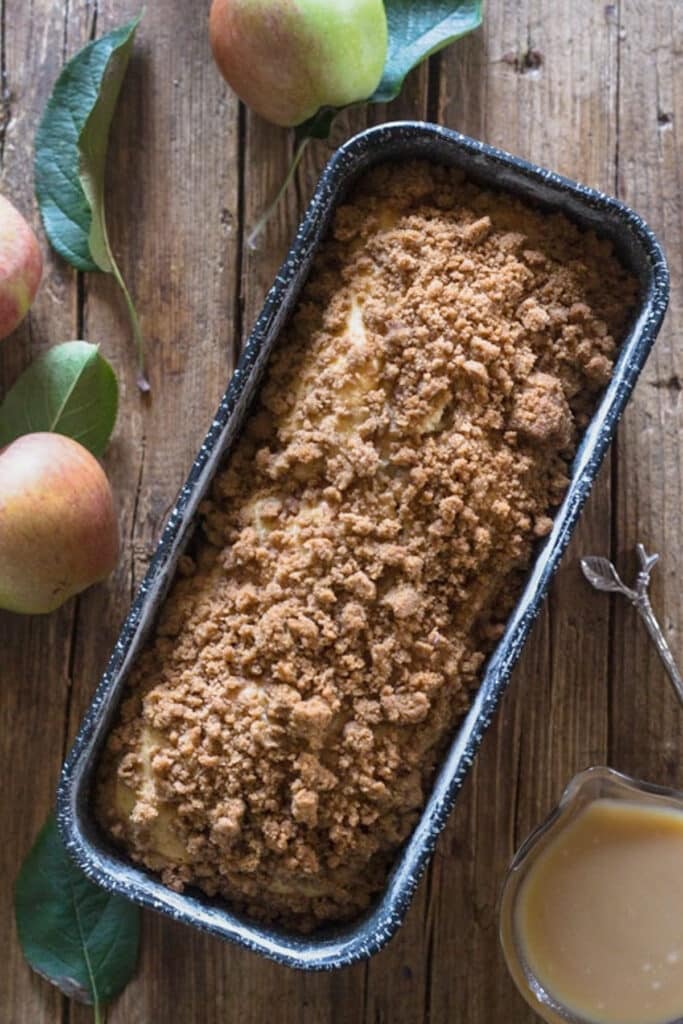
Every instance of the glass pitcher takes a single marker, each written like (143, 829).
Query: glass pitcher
(593, 784)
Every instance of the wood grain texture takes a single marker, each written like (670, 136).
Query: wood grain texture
(646, 726)
(594, 90)
(35, 653)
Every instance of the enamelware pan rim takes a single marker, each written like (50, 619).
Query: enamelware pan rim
(349, 943)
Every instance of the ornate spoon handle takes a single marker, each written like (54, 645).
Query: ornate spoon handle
(654, 629)
(602, 575)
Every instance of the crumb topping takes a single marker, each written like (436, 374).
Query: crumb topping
(363, 545)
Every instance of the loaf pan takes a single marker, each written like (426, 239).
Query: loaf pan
(640, 252)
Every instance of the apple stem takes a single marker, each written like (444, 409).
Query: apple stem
(270, 209)
(142, 381)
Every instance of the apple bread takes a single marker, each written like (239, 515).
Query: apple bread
(363, 545)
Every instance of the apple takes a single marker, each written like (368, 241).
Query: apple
(58, 529)
(21, 267)
(287, 58)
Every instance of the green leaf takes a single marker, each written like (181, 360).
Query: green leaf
(71, 390)
(70, 159)
(71, 146)
(77, 936)
(417, 30)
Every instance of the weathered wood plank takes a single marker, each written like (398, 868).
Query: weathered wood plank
(519, 85)
(646, 723)
(251, 984)
(36, 653)
(173, 184)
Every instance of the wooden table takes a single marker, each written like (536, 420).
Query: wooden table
(593, 90)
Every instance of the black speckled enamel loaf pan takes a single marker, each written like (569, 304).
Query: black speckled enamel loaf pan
(640, 251)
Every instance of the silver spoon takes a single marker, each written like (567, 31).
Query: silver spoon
(601, 574)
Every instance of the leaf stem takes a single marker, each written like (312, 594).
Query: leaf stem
(142, 381)
(100, 1014)
(270, 209)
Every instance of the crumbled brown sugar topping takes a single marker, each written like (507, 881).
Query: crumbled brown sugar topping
(363, 546)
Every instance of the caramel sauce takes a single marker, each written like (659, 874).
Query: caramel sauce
(600, 914)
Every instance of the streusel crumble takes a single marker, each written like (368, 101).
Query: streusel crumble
(363, 546)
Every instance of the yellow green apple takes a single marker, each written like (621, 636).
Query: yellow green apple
(58, 528)
(288, 58)
(21, 267)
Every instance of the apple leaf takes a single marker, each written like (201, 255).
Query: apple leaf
(71, 145)
(74, 934)
(70, 390)
(416, 31)
(70, 159)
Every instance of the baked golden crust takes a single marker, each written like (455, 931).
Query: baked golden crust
(363, 546)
